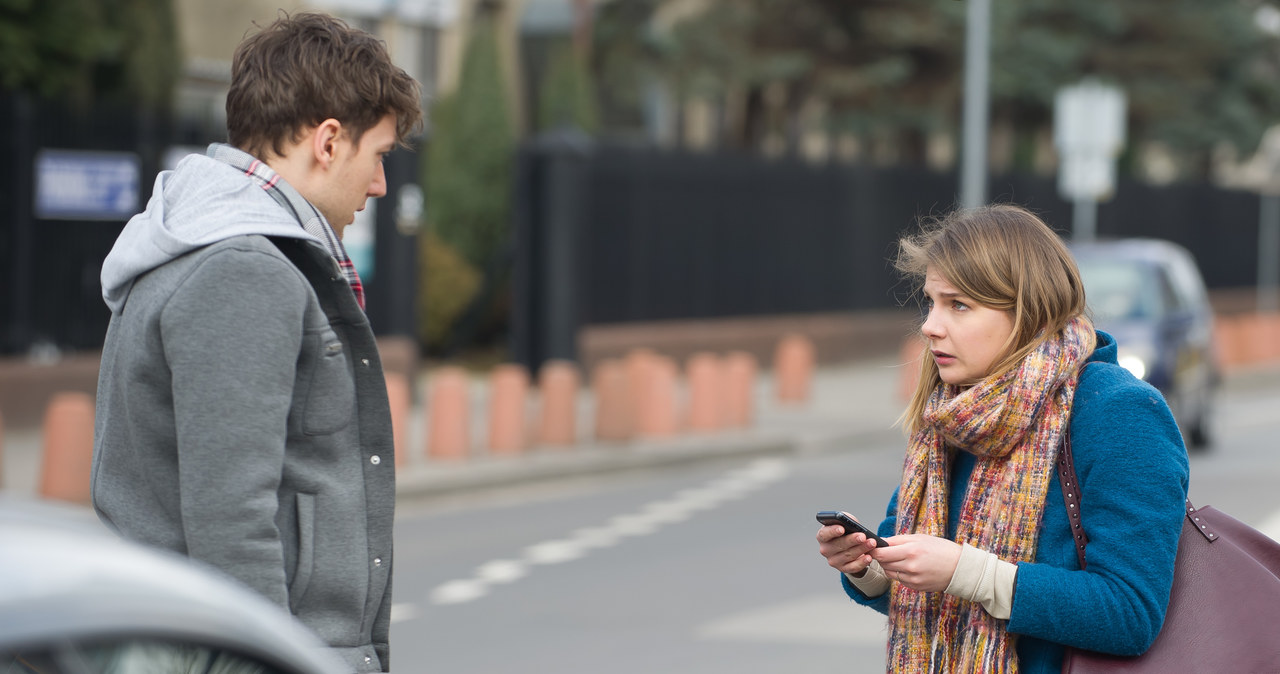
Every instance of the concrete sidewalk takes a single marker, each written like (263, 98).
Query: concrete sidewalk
(847, 401)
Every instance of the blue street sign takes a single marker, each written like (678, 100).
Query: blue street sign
(81, 185)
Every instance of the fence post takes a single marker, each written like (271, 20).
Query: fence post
(552, 183)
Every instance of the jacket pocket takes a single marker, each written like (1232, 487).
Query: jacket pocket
(330, 386)
(306, 550)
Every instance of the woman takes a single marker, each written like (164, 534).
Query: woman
(981, 573)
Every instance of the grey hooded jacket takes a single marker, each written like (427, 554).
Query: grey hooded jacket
(242, 415)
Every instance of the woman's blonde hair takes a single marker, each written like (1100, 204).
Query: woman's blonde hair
(1003, 257)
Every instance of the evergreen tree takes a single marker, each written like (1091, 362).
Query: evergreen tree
(567, 95)
(86, 50)
(469, 154)
(467, 184)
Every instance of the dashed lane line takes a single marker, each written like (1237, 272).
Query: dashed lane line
(649, 519)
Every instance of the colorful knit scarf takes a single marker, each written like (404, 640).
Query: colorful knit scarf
(1012, 423)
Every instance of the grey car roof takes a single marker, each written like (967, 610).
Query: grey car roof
(65, 576)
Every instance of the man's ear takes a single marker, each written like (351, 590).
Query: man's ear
(324, 141)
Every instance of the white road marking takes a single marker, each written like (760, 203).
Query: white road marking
(502, 571)
(554, 552)
(647, 520)
(459, 591)
(827, 619)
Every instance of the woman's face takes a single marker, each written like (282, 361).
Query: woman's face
(965, 337)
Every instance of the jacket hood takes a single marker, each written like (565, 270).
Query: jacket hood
(200, 202)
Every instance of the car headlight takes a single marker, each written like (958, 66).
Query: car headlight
(1136, 362)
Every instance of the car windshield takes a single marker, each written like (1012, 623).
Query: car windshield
(1122, 290)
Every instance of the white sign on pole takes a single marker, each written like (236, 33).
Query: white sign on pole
(1089, 132)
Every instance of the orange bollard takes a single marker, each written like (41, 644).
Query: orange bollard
(448, 415)
(1270, 337)
(400, 401)
(705, 373)
(657, 414)
(508, 394)
(1224, 341)
(559, 383)
(1238, 345)
(615, 414)
(1249, 342)
(909, 357)
(68, 448)
(739, 394)
(639, 364)
(793, 368)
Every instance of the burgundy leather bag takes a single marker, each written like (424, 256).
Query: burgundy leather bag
(1224, 611)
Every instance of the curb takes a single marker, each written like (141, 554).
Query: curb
(551, 464)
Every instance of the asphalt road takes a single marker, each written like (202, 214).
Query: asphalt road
(711, 568)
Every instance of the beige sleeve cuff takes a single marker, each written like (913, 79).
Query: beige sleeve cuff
(984, 578)
(873, 583)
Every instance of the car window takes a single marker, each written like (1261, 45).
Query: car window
(130, 657)
(1173, 302)
(1124, 290)
(1188, 284)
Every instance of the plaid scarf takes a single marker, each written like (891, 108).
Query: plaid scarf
(1012, 423)
(311, 219)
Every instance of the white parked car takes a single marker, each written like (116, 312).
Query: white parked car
(76, 599)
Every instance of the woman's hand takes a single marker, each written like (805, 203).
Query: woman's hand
(846, 552)
(921, 562)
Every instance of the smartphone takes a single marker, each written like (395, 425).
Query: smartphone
(850, 525)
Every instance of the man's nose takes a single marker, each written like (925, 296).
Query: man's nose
(378, 188)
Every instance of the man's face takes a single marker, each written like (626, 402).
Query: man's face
(356, 174)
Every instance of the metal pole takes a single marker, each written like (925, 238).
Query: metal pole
(1084, 221)
(1269, 253)
(977, 56)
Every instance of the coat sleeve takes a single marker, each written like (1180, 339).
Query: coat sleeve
(232, 332)
(1133, 473)
(886, 529)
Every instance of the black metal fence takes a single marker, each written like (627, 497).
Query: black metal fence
(610, 234)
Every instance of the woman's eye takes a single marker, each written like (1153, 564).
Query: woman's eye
(961, 306)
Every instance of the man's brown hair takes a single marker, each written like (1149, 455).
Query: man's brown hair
(309, 67)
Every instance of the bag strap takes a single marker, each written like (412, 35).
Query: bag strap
(1071, 497)
(1071, 494)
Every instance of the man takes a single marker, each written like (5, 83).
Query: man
(242, 414)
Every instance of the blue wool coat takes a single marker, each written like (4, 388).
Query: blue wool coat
(1132, 466)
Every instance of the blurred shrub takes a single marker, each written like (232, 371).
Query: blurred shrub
(567, 96)
(467, 184)
(448, 284)
(91, 50)
(469, 156)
